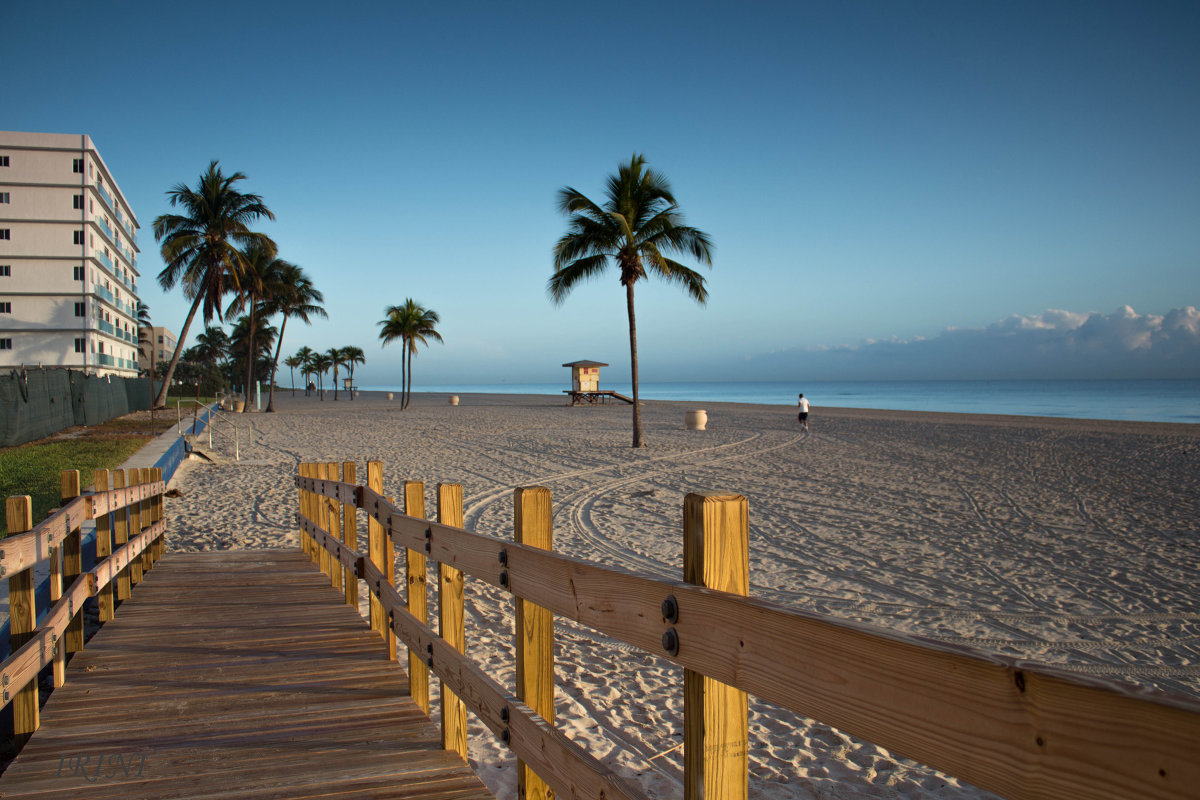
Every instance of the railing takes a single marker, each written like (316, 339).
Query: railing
(105, 196)
(104, 259)
(215, 415)
(127, 509)
(1018, 729)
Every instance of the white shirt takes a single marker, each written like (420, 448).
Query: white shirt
(803, 405)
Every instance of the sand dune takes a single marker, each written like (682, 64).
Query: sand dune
(1073, 543)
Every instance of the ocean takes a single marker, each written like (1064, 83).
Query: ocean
(1144, 400)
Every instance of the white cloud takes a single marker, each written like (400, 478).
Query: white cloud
(1053, 344)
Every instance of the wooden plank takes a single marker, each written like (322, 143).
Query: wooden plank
(450, 620)
(72, 560)
(533, 526)
(350, 534)
(417, 592)
(22, 616)
(24, 550)
(382, 555)
(133, 478)
(287, 697)
(106, 595)
(122, 586)
(716, 554)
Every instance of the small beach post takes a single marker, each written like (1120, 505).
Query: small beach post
(716, 554)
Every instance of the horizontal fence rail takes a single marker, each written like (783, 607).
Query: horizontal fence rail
(1019, 729)
(129, 540)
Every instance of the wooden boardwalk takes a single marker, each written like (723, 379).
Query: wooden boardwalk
(236, 674)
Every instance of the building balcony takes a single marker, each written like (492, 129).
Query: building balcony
(105, 260)
(105, 360)
(106, 197)
(105, 293)
(106, 327)
(112, 235)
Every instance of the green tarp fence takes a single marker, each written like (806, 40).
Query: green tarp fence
(38, 402)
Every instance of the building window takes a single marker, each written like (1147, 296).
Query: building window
(79, 310)
(3, 161)
(5, 270)
(78, 273)
(79, 201)
(5, 344)
(5, 308)
(78, 237)
(77, 166)
(5, 197)
(5, 233)
(80, 347)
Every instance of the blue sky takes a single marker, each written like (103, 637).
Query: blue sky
(874, 174)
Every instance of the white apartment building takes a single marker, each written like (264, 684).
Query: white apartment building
(68, 258)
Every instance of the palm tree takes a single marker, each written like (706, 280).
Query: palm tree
(291, 362)
(305, 354)
(291, 293)
(144, 330)
(260, 270)
(212, 346)
(351, 356)
(321, 362)
(412, 324)
(200, 246)
(638, 223)
(242, 350)
(335, 360)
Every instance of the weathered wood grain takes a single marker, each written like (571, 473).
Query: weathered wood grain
(451, 610)
(273, 687)
(416, 581)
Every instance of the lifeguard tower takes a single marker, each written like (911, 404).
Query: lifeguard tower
(585, 384)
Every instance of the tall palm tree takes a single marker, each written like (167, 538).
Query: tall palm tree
(291, 362)
(412, 324)
(290, 293)
(242, 350)
(321, 362)
(144, 330)
(200, 246)
(350, 356)
(636, 226)
(259, 272)
(335, 360)
(305, 354)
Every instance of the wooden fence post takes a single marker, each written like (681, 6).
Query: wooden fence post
(136, 523)
(335, 529)
(22, 615)
(383, 555)
(322, 518)
(59, 650)
(350, 533)
(415, 568)
(716, 554)
(72, 563)
(450, 620)
(101, 481)
(147, 519)
(533, 526)
(307, 470)
(156, 475)
(121, 536)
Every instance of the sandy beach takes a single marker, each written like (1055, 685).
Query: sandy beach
(1074, 543)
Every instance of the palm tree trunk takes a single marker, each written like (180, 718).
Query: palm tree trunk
(408, 397)
(633, 363)
(403, 375)
(292, 378)
(275, 366)
(249, 359)
(161, 400)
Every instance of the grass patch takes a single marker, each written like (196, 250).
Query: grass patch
(36, 468)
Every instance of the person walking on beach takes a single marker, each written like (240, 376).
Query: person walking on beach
(803, 415)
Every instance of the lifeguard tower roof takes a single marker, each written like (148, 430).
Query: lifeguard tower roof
(586, 363)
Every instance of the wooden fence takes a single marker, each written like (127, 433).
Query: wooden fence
(127, 508)
(1018, 729)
